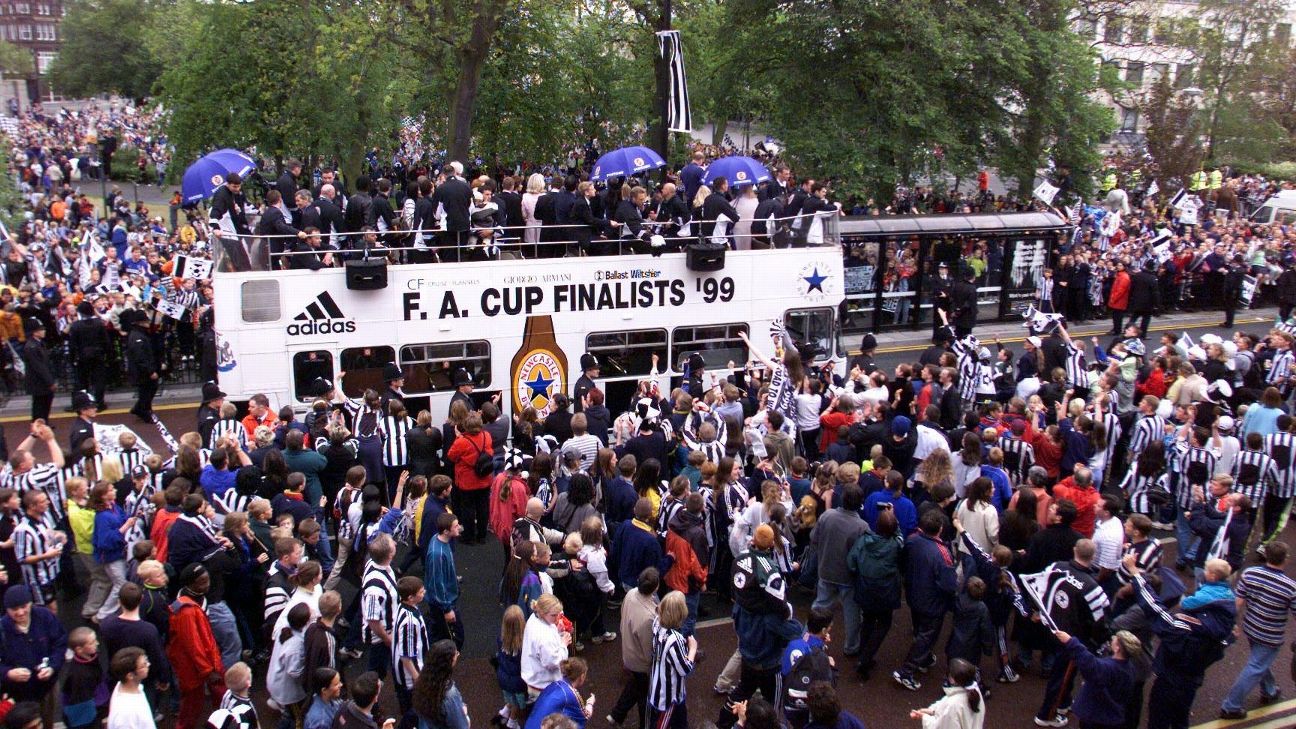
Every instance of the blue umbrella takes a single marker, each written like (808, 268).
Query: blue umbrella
(739, 171)
(625, 162)
(203, 177)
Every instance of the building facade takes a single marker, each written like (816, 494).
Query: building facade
(34, 27)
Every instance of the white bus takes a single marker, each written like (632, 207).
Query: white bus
(518, 327)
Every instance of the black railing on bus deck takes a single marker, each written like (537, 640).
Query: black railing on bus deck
(509, 243)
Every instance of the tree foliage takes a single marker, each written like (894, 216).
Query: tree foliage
(15, 60)
(104, 49)
(1174, 130)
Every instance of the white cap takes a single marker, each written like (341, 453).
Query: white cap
(1196, 352)
(1230, 348)
(1211, 339)
(1165, 409)
(1225, 423)
(1035, 341)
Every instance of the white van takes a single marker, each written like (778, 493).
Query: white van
(1280, 208)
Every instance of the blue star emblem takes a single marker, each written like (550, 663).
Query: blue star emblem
(538, 385)
(815, 281)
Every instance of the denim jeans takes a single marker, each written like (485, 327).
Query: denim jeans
(826, 597)
(225, 631)
(1187, 540)
(691, 599)
(1256, 671)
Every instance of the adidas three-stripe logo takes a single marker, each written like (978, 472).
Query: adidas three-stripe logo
(321, 316)
(323, 307)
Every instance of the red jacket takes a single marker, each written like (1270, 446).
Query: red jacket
(1086, 501)
(830, 422)
(464, 454)
(686, 564)
(1048, 454)
(1119, 299)
(161, 529)
(191, 647)
(503, 512)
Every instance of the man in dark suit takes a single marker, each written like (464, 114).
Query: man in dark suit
(963, 300)
(275, 226)
(546, 211)
(329, 177)
(330, 216)
(511, 202)
(141, 364)
(83, 424)
(39, 378)
(1145, 296)
(424, 220)
(356, 215)
(716, 205)
(672, 212)
(89, 346)
(564, 201)
(228, 222)
(779, 186)
(381, 216)
(692, 174)
(287, 187)
(454, 198)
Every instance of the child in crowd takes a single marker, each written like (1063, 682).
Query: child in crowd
(508, 667)
(129, 708)
(85, 696)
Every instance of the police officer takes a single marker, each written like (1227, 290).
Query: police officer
(463, 384)
(963, 302)
(89, 346)
(39, 378)
(940, 297)
(140, 363)
(589, 370)
(395, 380)
(209, 411)
(83, 425)
(696, 368)
(1233, 279)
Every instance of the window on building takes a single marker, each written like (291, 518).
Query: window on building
(1134, 73)
(1138, 32)
(24, 32)
(1159, 71)
(1163, 32)
(1129, 120)
(364, 369)
(625, 354)
(1114, 30)
(428, 367)
(1184, 73)
(1087, 28)
(44, 60)
(46, 32)
(718, 344)
(22, 8)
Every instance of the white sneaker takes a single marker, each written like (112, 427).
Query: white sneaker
(1057, 721)
(607, 637)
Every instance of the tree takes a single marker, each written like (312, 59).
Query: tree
(15, 60)
(1174, 132)
(1231, 40)
(105, 50)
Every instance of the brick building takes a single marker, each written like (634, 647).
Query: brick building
(32, 26)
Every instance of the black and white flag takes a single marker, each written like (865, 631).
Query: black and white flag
(1178, 198)
(1077, 213)
(679, 114)
(191, 267)
(170, 309)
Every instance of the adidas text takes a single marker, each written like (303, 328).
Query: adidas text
(326, 326)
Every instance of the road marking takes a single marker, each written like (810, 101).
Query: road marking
(1259, 713)
(1077, 335)
(114, 411)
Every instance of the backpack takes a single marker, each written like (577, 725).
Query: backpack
(806, 670)
(485, 463)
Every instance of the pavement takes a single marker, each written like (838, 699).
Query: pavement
(879, 701)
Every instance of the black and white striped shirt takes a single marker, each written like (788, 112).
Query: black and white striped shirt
(409, 640)
(1196, 468)
(1112, 422)
(1019, 456)
(1280, 371)
(713, 451)
(1148, 429)
(378, 599)
(1254, 473)
(1270, 597)
(228, 428)
(33, 537)
(44, 476)
(670, 668)
(1075, 367)
(669, 507)
(1147, 555)
(1138, 488)
(278, 587)
(130, 459)
(231, 501)
(1282, 448)
(395, 449)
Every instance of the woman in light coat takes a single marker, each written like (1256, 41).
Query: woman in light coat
(961, 707)
(978, 515)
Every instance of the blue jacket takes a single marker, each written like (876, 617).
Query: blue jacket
(109, 544)
(905, 512)
(1188, 647)
(930, 579)
(1108, 686)
(763, 636)
(635, 548)
(619, 499)
(1002, 486)
(557, 698)
(309, 463)
(440, 578)
(45, 639)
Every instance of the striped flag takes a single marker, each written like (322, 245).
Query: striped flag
(1153, 188)
(191, 267)
(1076, 213)
(1178, 198)
(679, 114)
